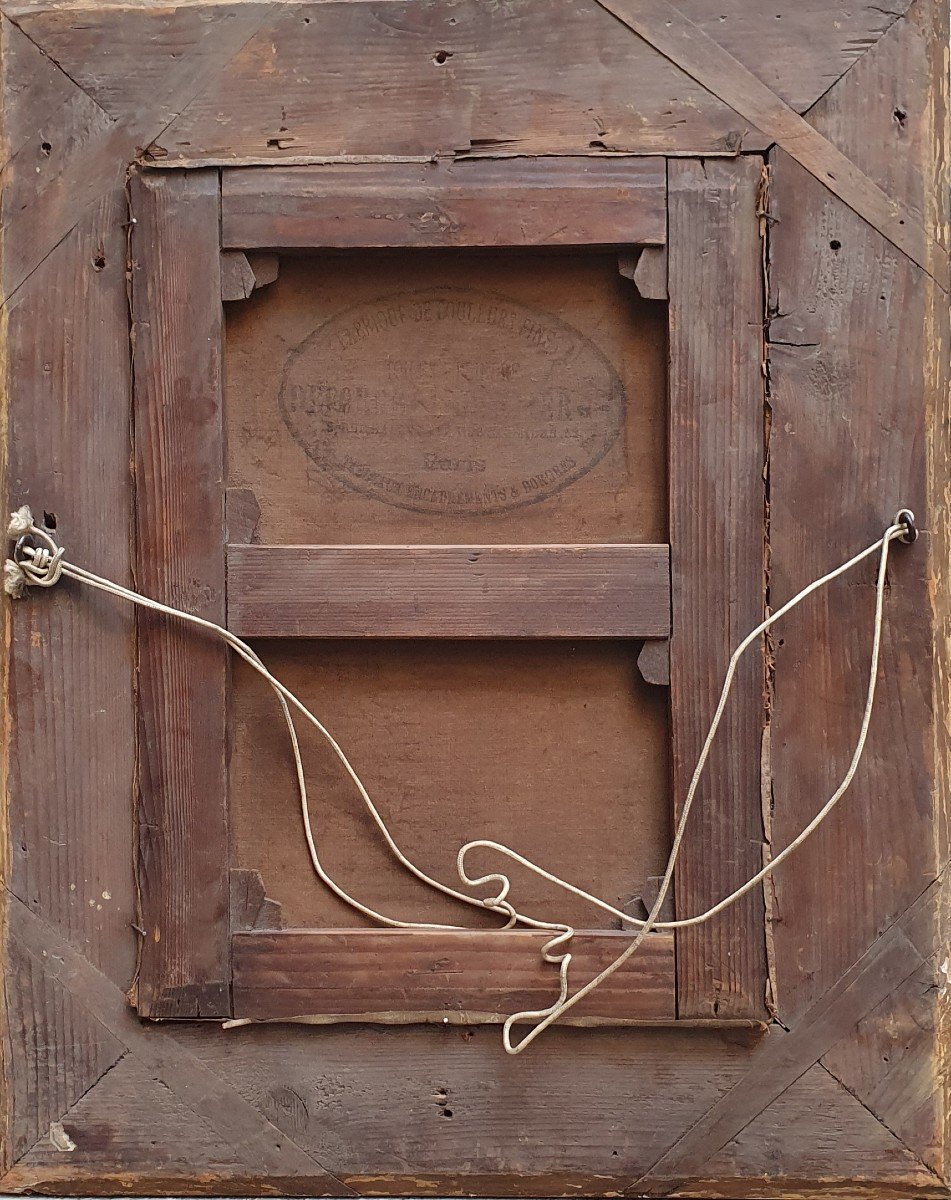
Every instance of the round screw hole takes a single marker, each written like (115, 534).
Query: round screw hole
(441, 57)
(835, 244)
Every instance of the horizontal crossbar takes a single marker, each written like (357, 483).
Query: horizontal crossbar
(591, 591)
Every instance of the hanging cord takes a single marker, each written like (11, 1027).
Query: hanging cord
(38, 561)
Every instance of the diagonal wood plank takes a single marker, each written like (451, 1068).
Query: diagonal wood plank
(784, 1057)
(886, 1064)
(797, 47)
(870, 116)
(35, 88)
(53, 1049)
(100, 162)
(232, 1117)
(685, 44)
(816, 1131)
(129, 1128)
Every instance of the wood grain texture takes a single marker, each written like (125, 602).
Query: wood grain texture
(250, 907)
(684, 43)
(68, 767)
(888, 1063)
(372, 1103)
(717, 546)
(128, 1129)
(848, 358)
(784, 1056)
(93, 150)
(265, 1149)
(899, 140)
(183, 826)
(653, 661)
(449, 591)
(528, 1126)
(237, 278)
(440, 78)
(517, 202)
(35, 91)
(815, 1131)
(53, 1051)
(469, 977)
(798, 50)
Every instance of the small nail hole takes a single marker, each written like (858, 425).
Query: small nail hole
(47, 148)
(442, 56)
(835, 244)
(99, 262)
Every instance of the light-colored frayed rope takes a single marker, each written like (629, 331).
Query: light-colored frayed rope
(38, 561)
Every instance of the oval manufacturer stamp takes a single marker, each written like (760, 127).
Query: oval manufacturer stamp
(448, 400)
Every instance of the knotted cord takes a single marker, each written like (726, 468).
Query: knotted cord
(39, 562)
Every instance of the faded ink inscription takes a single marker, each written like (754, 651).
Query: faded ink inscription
(452, 401)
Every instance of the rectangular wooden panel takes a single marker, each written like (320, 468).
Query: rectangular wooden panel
(717, 509)
(470, 975)
(363, 407)
(515, 202)
(556, 747)
(183, 679)
(449, 591)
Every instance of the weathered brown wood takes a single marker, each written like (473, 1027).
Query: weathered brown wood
(242, 514)
(650, 273)
(234, 1119)
(848, 357)
(467, 976)
(664, 27)
(443, 1110)
(68, 769)
(250, 907)
(183, 827)
(886, 1064)
(517, 202)
(894, 140)
(784, 1056)
(815, 1130)
(449, 591)
(36, 89)
(237, 278)
(653, 662)
(130, 1127)
(668, 911)
(434, 80)
(96, 151)
(265, 267)
(799, 50)
(717, 410)
(241, 273)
